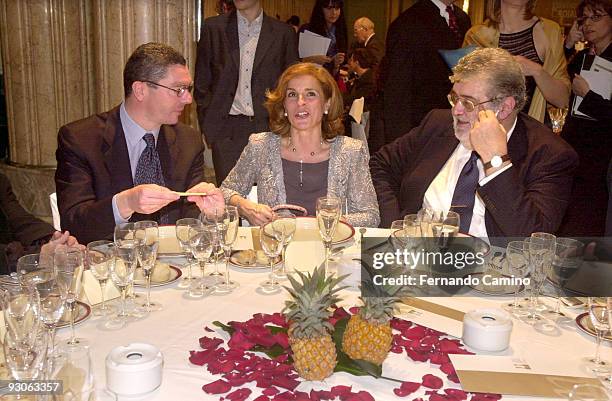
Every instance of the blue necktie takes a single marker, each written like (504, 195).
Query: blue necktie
(149, 171)
(465, 193)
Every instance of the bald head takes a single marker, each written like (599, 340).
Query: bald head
(363, 28)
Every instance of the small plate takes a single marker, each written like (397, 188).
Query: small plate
(494, 289)
(307, 229)
(583, 321)
(175, 274)
(83, 313)
(236, 260)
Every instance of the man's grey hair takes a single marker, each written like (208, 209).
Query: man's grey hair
(498, 68)
(365, 23)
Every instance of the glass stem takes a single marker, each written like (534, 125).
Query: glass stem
(515, 304)
(189, 263)
(284, 253)
(597, 360)
(202, 264)
(272, 280)
(327, 249)
(103, 289)
(123, 296)
(72, 333)
(149, 289)
(228, 252)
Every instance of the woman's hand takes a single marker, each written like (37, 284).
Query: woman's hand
(256, 213)
(211, 202)
(339, 60)
(580, 86)
(575, 35)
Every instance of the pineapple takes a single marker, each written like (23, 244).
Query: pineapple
(368, 334)
(308, 311)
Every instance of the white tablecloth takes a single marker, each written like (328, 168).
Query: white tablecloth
(176, 329)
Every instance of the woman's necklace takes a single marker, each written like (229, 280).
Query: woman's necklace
(312, 154)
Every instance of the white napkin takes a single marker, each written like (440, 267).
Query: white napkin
(92, 292)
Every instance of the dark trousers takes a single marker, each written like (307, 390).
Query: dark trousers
(233, 138)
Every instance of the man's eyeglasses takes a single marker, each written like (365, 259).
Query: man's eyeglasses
(179, 91)
(594, 18)
(467, 104)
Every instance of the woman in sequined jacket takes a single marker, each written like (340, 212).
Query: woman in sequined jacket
(305, 156)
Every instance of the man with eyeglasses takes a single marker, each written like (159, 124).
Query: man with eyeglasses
(365, 37)
(126, 164)
(505, 173)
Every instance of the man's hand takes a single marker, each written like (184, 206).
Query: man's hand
(213, 201)
(529, 68)
(256, 213)
(488, 136)
(580, 86)
(339, 60)
(145, 199)
(59, 238)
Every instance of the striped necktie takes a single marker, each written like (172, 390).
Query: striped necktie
(465, 193)
(452, 22)
(149, 171)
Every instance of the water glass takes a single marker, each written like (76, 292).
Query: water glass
(600, 319)
(68, 261)
(21, 308)
(517, 258)
(33, 262)
(566, 261)
(122, 268)
(202, 239)
(227, 228)
(285, 222)
(52, 295)
(182, 235)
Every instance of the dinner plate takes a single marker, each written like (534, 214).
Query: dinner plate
(307, 229)
(493, 289)
(83, 313)
(583, 321)
(175, 274)
(260, 263)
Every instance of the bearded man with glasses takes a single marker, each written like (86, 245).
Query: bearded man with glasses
(505, 173)
(126, 164)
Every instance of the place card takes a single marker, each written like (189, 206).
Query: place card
(432, 315)
(544, 377)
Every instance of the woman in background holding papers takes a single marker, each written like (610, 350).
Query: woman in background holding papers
(327, 19)
(591, 137)
(305, 156)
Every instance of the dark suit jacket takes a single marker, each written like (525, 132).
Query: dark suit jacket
(218, 64)
(530, 196)
(415, 75)
(375, 46)
(93, 165)
(364, 85)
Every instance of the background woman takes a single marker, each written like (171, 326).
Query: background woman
(537, 44)
(305, 156)
(327, 19)
(592, 138)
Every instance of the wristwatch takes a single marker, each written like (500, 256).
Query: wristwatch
(496, 161)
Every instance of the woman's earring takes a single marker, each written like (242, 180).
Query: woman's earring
(326, 111)
(285, 113)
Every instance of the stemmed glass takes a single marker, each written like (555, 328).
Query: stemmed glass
(444, 227)
(25, 359)
(99, 255)
(566, 261)
(227, 229)
(328, 213)
(21, 308)
(127, 231)
(541, 252)
(33, 262)
(284, 221)
(588, 392)
(122, 270)
(517, 257)
(148, 234)
(202, 239)
(272, 243)
(600, 319)
(216, 219)
(182, 234)
(68, 261)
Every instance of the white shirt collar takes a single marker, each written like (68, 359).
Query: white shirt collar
(242, 20)
(442, 8)
(368, 39)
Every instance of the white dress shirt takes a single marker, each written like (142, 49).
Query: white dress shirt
(248, 37)
(442, 7)
(439, 195)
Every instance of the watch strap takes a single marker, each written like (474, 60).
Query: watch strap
(504, 159)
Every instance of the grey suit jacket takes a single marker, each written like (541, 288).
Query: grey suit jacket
(348, 176)
(218, 64)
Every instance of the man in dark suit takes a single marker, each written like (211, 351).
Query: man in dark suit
(360, 64)
(240, 55)
(415, 77)
(365, 37)
(125, 164)
(505, 173)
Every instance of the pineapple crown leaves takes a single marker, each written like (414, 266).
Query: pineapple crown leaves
(308, 310)
(379, 301)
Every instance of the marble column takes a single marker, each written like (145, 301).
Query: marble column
(63, 60)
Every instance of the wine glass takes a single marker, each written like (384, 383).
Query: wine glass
(517, 258)
(228, 230)
(588, 392)
(284, 221)
(98, 256)
(328, 213)
(182, 234)
(202, 239)
(215, 219)
(600, 320)
(148, 234)
(25, 360)
(33, 262)
(566, 261)
(68, 261)
(444, 227)
(541, 251)
(21, 308)
(127, 232)
(272, 244)
(122, 269)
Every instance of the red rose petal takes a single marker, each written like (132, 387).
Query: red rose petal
(438, 397)
(208, 329)
(282, 339)
(321, 395)
(239, 395)
(217, 387)
(447, 368)
(416, 332)
(454, 378)
(432, 381)
(270, 391)
(262, 398)
(439, 358)
(210, 343)
(286, 396)
(339, 391)
(417, 356)
(485, 397)
(285, 382)
(456, 394)
(406, 388)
